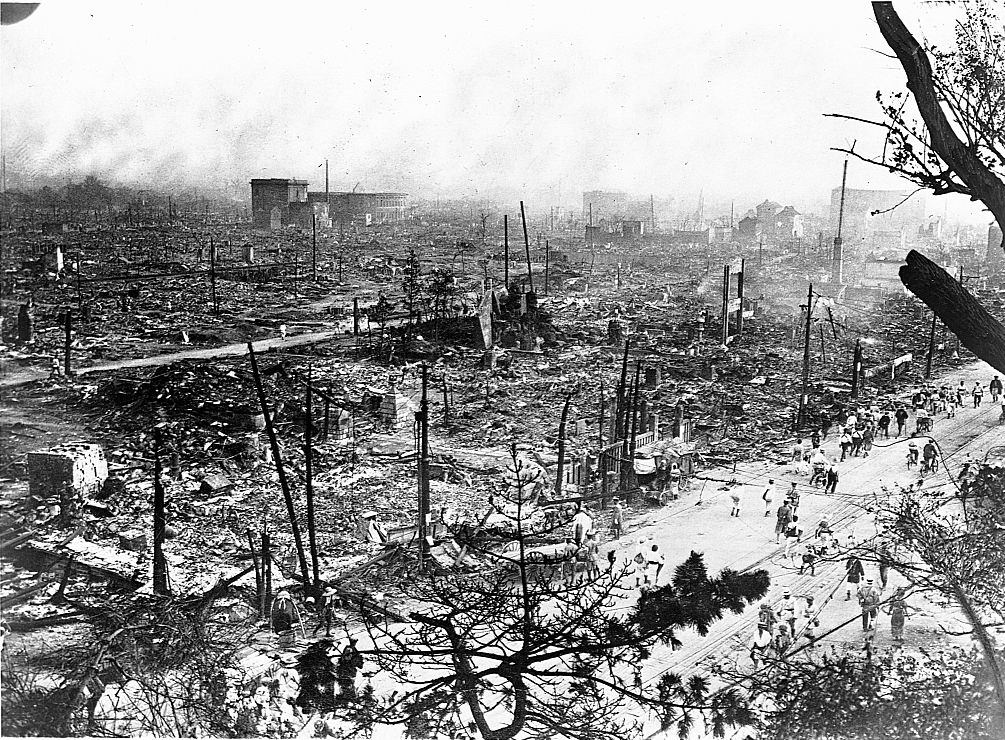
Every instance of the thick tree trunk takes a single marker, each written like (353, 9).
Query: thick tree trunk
(963, 160)
(977, 329)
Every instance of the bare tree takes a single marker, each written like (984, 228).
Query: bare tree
(958, 146)
(525, 654)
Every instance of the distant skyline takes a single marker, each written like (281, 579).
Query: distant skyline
(502, 100)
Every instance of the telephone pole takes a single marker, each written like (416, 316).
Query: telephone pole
(804, 393)
(526, 247)
(423, 418)
(314, 247)
(506, 252)
(856, 368)
(931, 348)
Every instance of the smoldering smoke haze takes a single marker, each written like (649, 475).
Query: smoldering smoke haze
(497, 100)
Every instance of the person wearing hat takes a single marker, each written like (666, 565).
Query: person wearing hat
(768, 496)
(787, 609)
(760, 644)
(326, 611)
(868, 600)
(782, 641)
(654, 560)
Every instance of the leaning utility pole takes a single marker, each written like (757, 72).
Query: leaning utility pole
(837, 256)
(422, 417)
(160, 562)
(506, 252)
(526, 247)
(804, 392)
(284, 484)
(309, 475)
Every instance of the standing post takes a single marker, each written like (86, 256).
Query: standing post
(560, 475)
(957, 336)
(212, 273)
(725, 303)
(526, 247)
(547, 264)
(280, 470)
(309, 475)
(739, 296)
(856, 368)
(160, 563)
(600, 420)
(630, 463)
(423, 418)
(804, 391)
(620, 403)
(314, 247)
(355, 317)
(506, 252)
(931, 348)
(67, 349)
(80, 299)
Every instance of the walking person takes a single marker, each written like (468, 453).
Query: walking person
(897, 609)
(326, 611)
(809, 560)
(794, 498)
(995, 387)
(832, 480)
(868, 600)
(884, 424)
(735, 496)
(569, 561)
(818, 463)
(617, 518)
(901, 416)
(768, 496)
(854, 571)
(961, 391)
(978, 394)
(856, 442)
(845, 443)
(782, 518)
(782, 641)
(654, 564)
(641, 561)
(760, 644)
(793, 534)
(867, 438)
(815, 440)
(797, 450)
(787, 610)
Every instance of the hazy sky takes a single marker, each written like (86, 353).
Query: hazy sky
(499, 99)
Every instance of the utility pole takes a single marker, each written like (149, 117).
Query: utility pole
(328, 201)
(804, 393)
(725, 303)
(309, 483)
(160, 562)
(526, 247)
(423, 418)
(739, 297)
(506, 252)
(547, 265)
(212, 274)
(314, 247)
(856, 368)
(837, 256)
(277, 458)
(355, 317)
(931, 348)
